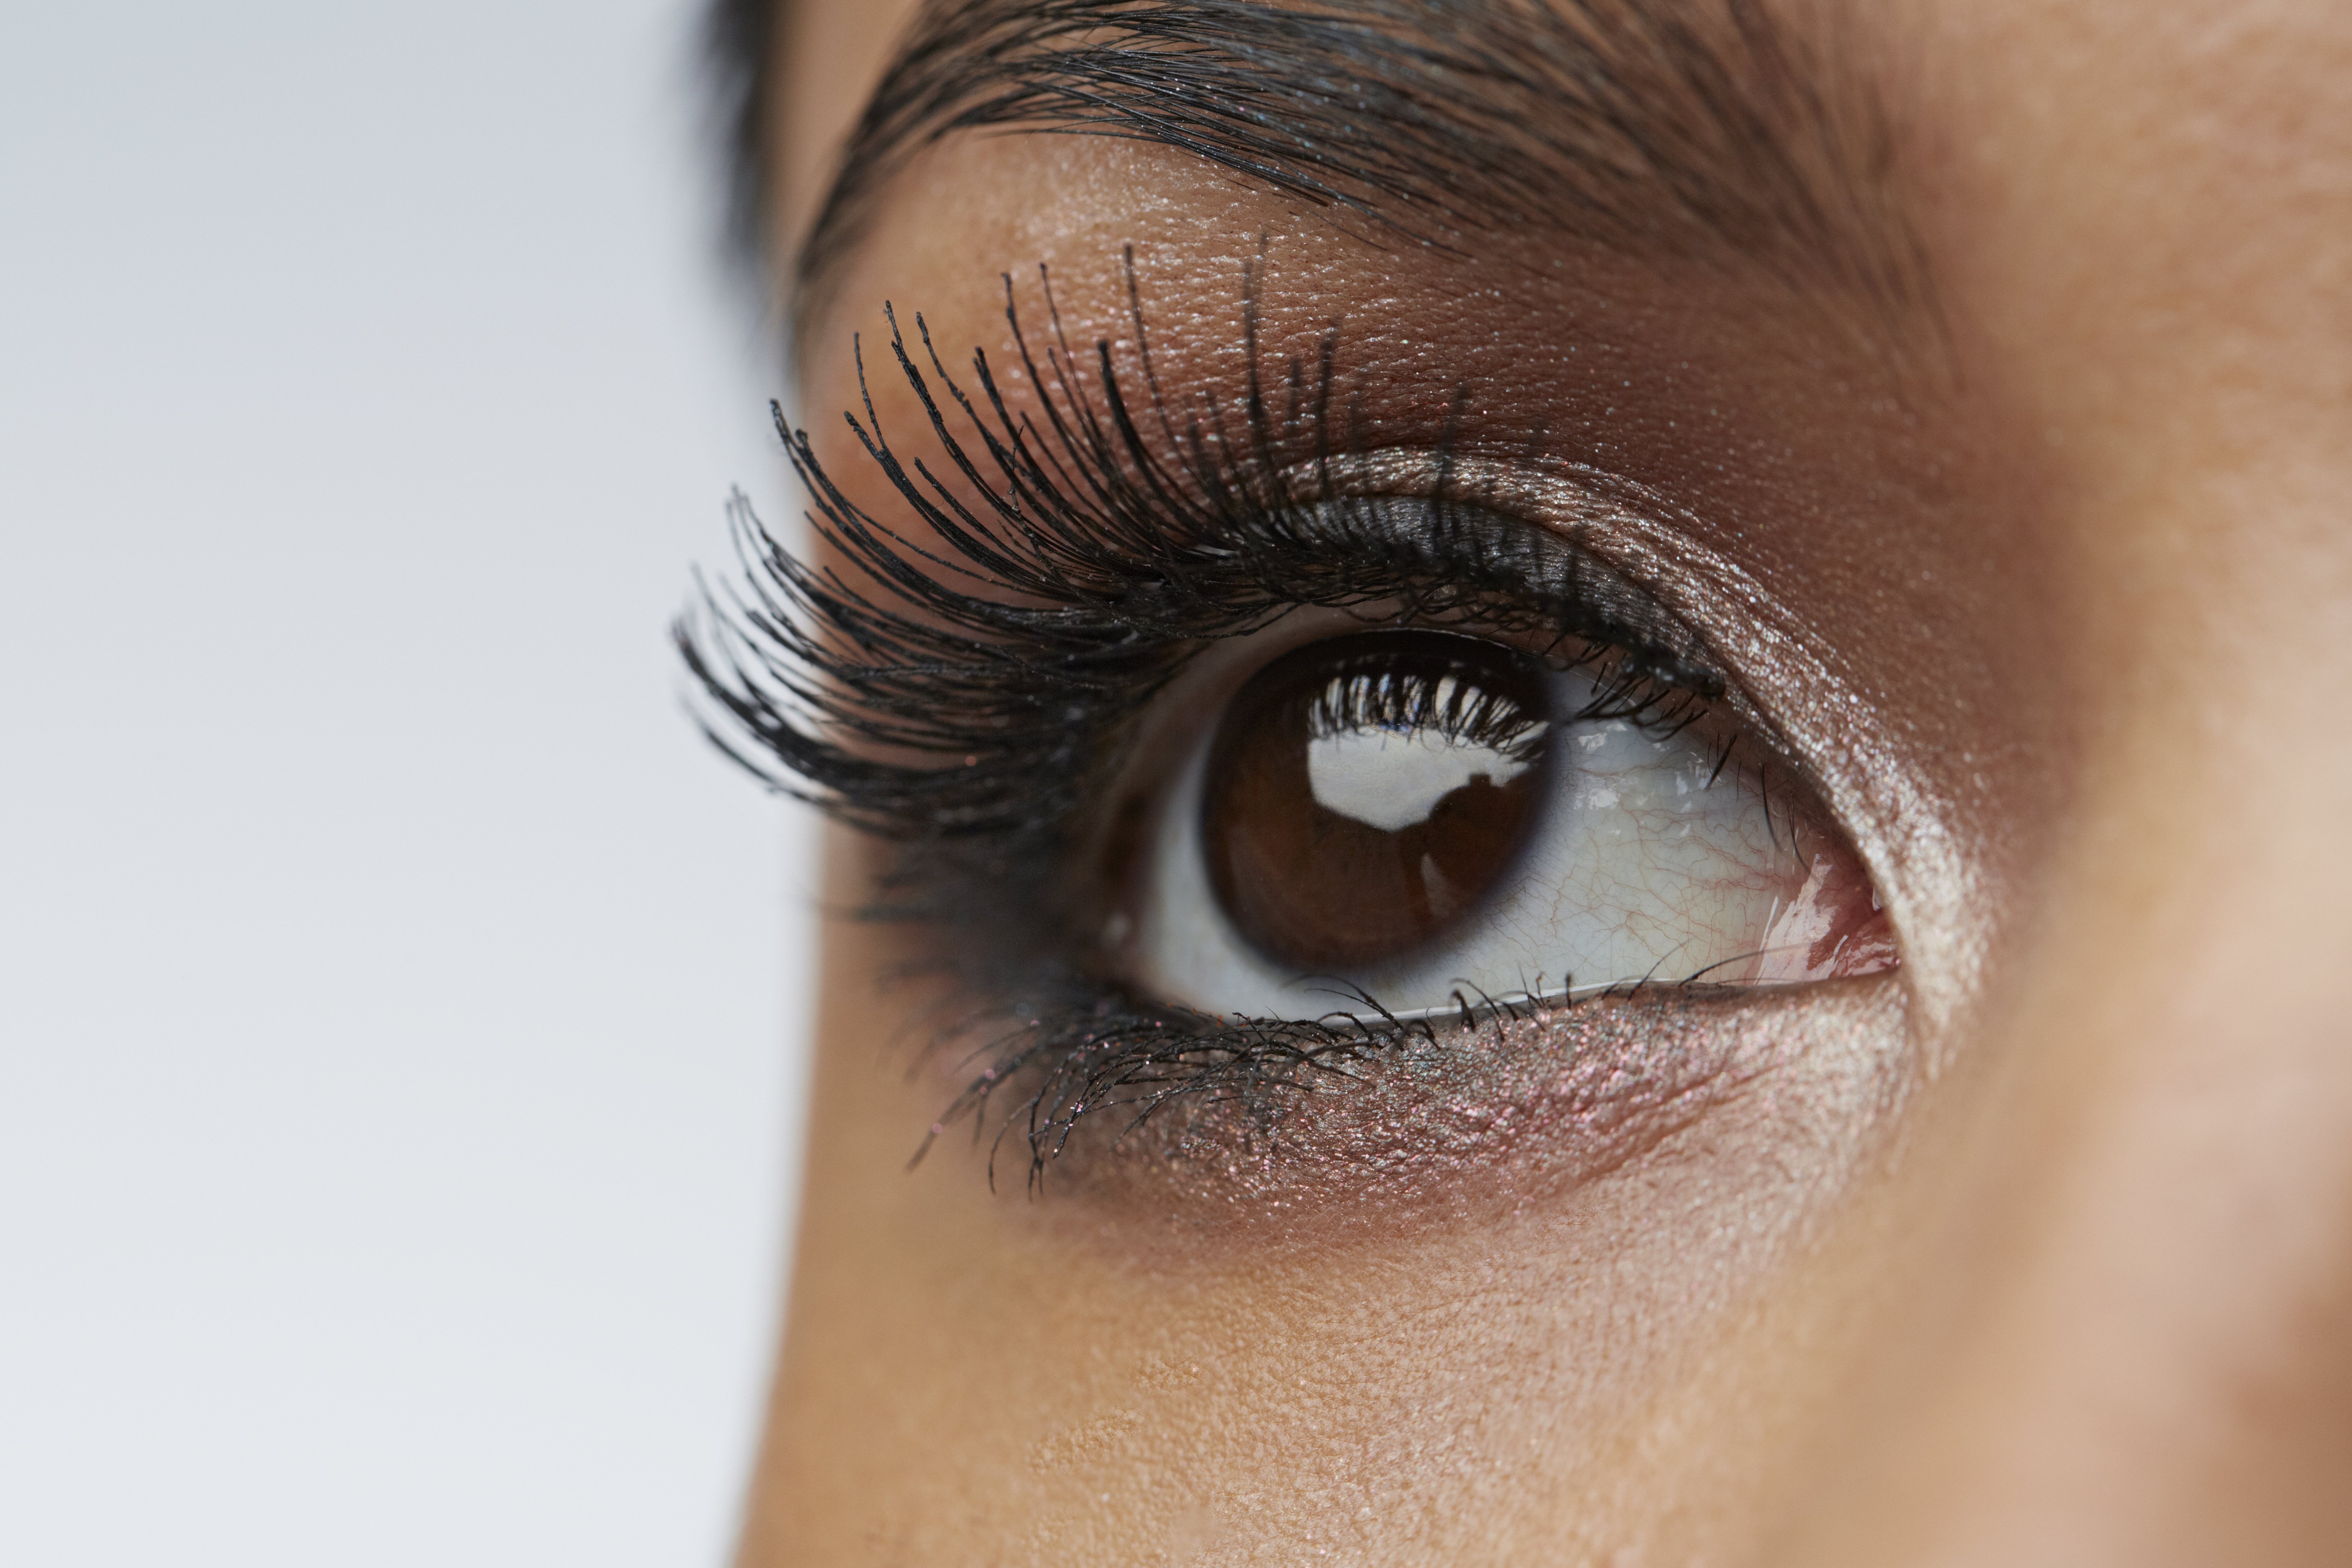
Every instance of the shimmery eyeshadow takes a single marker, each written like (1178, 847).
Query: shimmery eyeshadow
(1522, 1107)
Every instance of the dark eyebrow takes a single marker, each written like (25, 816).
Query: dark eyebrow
(1672, 126)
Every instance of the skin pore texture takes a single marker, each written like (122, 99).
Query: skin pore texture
(2037, 1249)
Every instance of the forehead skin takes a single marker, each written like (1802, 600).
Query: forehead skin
(2093, 1312)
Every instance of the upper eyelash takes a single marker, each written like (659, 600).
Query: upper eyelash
(954, 691)
(1107, 559)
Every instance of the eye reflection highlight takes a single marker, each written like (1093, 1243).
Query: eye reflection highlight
(1365, 792)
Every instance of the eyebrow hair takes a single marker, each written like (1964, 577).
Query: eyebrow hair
(1651, 126)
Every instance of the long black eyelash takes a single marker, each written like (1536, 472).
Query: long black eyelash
(954, 681)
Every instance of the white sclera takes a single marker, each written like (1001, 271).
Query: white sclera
(1636, 868)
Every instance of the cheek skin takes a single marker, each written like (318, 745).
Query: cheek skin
(2141, 1240)
(1056, 1381)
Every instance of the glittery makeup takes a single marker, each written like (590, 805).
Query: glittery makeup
(1535, 1100)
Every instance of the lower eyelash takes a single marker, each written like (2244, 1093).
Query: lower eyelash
(1104, 1056)
(956, 683)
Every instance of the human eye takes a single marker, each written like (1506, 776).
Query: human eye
(1227, 759)
(1406, 822)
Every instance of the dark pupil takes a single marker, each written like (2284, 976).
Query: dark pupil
(1365, 793)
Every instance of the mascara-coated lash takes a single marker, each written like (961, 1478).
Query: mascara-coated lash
(957, 678)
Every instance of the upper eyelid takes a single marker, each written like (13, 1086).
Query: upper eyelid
(1552, 563)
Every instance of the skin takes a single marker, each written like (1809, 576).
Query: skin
(2038, 1252)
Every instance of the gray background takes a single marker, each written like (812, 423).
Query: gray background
(400, 1010)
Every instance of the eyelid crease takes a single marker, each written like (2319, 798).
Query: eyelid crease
(1460, 529)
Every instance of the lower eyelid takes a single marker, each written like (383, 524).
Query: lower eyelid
(1531, 1100)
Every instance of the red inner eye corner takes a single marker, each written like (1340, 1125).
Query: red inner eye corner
(1833, 926)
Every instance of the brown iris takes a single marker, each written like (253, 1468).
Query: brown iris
(1365, 792)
